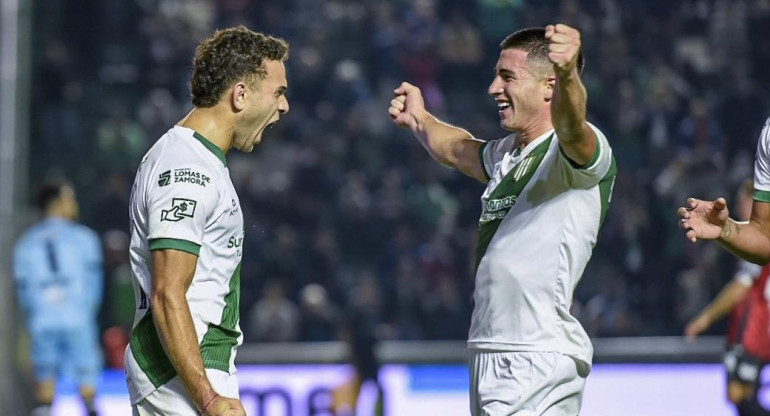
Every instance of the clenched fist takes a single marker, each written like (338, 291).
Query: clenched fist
(563, 47)
(407, 106)
(224, 406)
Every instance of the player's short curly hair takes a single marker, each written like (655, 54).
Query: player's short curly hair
(532, 40)
(232, 55)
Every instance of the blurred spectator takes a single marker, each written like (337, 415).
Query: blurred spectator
(444, 314)
(274, 318)
(320, 318)
(111, 204)
(120, 140)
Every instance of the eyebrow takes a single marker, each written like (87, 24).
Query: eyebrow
(503, 71)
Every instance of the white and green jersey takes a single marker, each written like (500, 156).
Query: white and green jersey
(183, 199)
(762, 166)
(540, 219)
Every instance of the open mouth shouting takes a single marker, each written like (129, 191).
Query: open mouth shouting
(503, 106)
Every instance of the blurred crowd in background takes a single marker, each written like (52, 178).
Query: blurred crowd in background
(345, 214)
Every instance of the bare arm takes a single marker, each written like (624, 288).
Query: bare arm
(568, 106)
(749, 240)
(725, 301)
(449, 145)
(709, 220)
(172, 274)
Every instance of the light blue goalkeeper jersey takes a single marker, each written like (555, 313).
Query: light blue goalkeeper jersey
(58, 269)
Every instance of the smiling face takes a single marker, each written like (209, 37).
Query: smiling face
(522, 92)
(262, 107)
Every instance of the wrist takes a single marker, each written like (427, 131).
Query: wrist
(423, 118)
(566, 75)
(208, 399)
(729, 228)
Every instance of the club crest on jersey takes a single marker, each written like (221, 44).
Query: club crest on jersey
(523, 167)
(181, 208)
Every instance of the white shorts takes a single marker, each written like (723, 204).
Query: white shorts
(172, 399)
(524, 384)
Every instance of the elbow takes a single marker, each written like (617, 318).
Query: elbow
(165, 298)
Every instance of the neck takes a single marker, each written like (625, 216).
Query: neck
(213, 123)
(526, 136)
(539, 124)
(56, 214)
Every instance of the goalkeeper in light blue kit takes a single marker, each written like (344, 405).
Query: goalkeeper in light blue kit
(58, 269)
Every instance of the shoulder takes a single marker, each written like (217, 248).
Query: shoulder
(182, 150)
(172, 147)
(28, 240)
(182, 165)
(27, 237)
(765, 135)
(499, 146)
(86, 233)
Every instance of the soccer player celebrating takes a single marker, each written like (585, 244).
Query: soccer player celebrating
(187, 231)
(548, 188)
(748, 340)
(58, 269)
(749, 240)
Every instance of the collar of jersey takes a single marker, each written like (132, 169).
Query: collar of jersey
(517, 152)
(212, 147)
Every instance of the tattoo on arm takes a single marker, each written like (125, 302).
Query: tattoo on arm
(730, 229)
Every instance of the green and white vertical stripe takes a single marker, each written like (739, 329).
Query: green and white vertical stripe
(500, 201)
(216, 346)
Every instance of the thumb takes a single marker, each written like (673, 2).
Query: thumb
(404, 88)
(720, 204)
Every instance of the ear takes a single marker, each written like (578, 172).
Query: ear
(550, 84)
(239, 92)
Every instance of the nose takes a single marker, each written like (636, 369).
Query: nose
(496, 87)
(283, 105)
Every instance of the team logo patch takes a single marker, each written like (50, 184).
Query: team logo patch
(181, 208)
(165, 178)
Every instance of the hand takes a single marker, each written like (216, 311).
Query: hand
(703, 220)
(224, 406)
(696, 327)
(563, 47)
(407, 107)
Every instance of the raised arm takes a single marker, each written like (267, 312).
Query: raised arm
(172, 274)
(568, 106)
(449, 145)
(709, 220)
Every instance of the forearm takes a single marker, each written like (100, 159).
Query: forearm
(568, 108)
(746, 240)
(440, 139)
(175, 328)
(725, 301)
